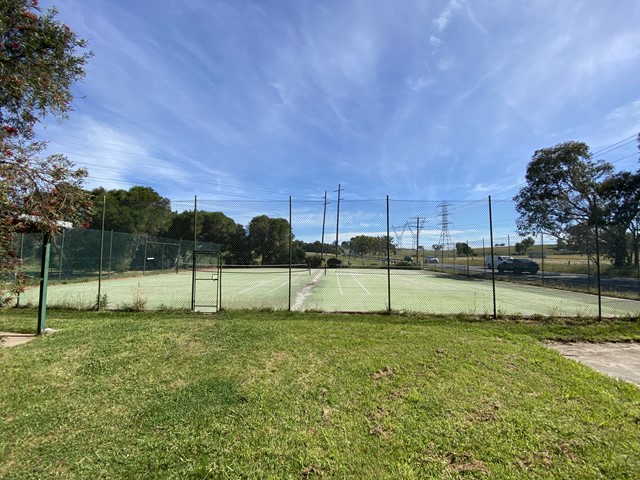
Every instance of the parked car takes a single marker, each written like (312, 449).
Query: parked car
(408, 258)
(431, 260)
(519, 265)
(497, 260)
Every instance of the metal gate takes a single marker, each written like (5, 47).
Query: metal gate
(206, 284)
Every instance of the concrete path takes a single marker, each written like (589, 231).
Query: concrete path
(8, 339)
(619, 360)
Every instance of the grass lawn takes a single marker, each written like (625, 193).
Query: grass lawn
(291, 395)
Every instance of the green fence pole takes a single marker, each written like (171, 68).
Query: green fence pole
(20, 270)
(44, 280)
(493, 266)
(290, 251)
(104, 207)
(388, 261)
(60, 266)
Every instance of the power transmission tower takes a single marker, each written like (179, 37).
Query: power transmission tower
(445, 241)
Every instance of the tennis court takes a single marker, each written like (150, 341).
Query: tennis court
(422, 291)
(356, 290)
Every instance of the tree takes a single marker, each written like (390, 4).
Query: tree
(561, 190)
(524, 245)
(621, 214)
(40, 59)
(214, 227)
(137, 210)
(463, 249)
(568, 194)
(269, 239)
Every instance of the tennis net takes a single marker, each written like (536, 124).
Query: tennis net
(267, 269)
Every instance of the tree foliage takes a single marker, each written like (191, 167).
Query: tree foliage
(621, 214)
(561, 189)
(40, 59)
(370, 245)
(269, 239)
(137, 210)
(524, 245)
(568, 195)
(463, 249)
(213, 227)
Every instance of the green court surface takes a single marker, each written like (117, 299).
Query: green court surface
(356, 290)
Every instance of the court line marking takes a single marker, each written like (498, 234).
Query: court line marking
(362, 286)
(279, 286)
(339, 286)
(257, 285)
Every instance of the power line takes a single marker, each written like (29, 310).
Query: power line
(633, 137)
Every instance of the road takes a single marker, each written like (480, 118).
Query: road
(616, 284)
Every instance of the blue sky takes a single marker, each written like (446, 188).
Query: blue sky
(430, 100)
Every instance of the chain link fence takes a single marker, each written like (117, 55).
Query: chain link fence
(440, 257)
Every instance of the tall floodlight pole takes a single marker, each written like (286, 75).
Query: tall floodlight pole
(338, 218)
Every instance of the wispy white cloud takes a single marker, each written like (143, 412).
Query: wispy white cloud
(442, 21)
(416, 84)
(417, 99)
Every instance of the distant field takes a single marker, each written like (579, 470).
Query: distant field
(345, 289)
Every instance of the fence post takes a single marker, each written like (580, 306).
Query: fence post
(484, 260)
(324, 218)
(468, 249)
(144, 257)
(44, 279)
(542, 254)
(388, 261)
(20, 265)
(110, 251)
(193, 254)
(290, 251)
(61, 255)
(598, 273)
(104, 207)
(588, 264)
(493, 267)
(638, 270)
(338, 221)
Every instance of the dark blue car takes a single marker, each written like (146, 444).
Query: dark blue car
(519, 265)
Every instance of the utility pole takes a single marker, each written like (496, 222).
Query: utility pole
(338, 218)
(418, 225)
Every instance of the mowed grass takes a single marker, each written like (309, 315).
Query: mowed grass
(291, 395)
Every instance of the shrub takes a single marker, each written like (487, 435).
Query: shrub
(314, 261)
(334, 262)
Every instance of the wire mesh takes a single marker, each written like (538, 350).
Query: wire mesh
(363, 255)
